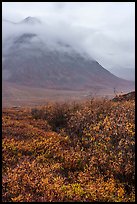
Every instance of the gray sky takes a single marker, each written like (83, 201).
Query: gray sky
(106, 30)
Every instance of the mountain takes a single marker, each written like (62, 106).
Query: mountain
(30, 60)
(31, 20)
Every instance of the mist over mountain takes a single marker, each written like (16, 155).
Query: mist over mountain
(106, 31)
(33, 56)
(127, 73)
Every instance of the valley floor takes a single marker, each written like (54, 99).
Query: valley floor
(26, 96)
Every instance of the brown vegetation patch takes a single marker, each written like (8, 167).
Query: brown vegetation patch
(125, 97)
(69, 152)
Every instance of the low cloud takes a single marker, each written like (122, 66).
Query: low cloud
(106, 31)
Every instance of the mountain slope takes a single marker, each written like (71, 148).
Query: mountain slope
(29, 60)
(31, 20)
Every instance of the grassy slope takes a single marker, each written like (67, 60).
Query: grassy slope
(79, 152)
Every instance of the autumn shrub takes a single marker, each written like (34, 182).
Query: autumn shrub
(56, 115)
(69, 153)
(103, 127)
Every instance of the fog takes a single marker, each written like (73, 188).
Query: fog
(104, 30)
(66, 39)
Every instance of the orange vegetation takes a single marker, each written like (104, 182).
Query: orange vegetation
(69, 152)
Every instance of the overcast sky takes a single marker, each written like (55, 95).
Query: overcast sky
(106, 30)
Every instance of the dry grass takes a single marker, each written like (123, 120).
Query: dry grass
(69, 152)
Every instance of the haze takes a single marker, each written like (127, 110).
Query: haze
(104, 30)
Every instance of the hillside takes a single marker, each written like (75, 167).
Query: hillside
(38, 66)
(34, 59)
(82, 151)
